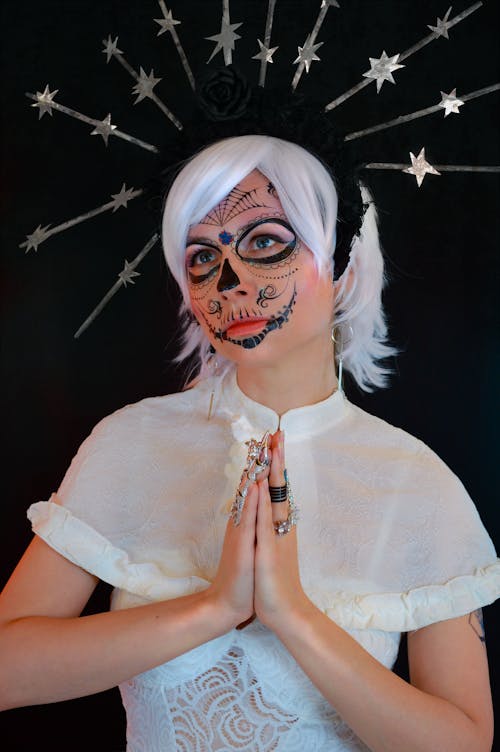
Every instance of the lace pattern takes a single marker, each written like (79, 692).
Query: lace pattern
(240, 693)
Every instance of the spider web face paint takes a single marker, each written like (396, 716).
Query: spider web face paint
(235, 203)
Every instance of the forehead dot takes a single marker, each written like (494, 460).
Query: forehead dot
(225, 237)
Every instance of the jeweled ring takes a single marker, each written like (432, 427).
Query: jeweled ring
(257, 461)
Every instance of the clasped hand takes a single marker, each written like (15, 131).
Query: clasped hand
(258, 571)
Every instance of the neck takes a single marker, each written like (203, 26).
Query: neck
(304, 378)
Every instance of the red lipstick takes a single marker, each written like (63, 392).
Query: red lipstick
(245, 328)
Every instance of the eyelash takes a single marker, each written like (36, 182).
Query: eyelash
(190, 259)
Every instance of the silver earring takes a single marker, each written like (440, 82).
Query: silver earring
(214, 367)
(339, 353)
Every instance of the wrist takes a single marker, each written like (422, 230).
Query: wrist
(221, 615)
(294, 619)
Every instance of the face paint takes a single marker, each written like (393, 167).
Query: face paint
(241, 274)
(267, 293)
(267, 243)
(228, 280)
(274, 322)
(225, 237)
(236, 202)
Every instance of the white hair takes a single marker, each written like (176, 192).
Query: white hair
(309, 198)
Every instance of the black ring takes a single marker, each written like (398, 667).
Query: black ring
(278, 493)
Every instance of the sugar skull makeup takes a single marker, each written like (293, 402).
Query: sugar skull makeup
(242, 261)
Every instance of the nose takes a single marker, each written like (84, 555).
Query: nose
(228, 279)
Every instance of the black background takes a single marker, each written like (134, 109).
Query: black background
(440, 242)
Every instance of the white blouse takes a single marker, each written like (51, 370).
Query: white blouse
(388, 539)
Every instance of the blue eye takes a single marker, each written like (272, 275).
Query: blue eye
(264, 241)
(201, 257)
(203, 264)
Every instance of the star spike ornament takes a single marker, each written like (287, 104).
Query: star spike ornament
(307, 53)
(265, 54)
(450, 103)
(226, 38)
(382, 69)
(36, 238)
(101, 127)
(145, 85)
(402, 119)
(126, 276)
(123, 197)
(403, 55)
(420, 167)
(442, 25)
(104, 129)
(111, 48)
(44, 101)
(266, 51)
(42, 233)
(166, 23)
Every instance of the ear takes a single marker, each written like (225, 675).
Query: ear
(345, 281)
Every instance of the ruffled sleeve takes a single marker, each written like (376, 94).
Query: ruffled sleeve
(114, 514)
(84, 546)
(413, 609)
(397, 543)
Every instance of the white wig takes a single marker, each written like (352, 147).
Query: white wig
(308, 196)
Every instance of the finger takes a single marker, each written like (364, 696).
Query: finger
(264, 526)
(277, 472)
(248, 512)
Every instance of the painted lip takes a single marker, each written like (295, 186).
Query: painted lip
(245, 328)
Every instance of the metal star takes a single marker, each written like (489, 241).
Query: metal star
(44, 101)
(265, 54)
(122, 198)
(382, 68)
(441, 27)
(450, 103)
(111, 48)
(167, 23)
(420, 167)
(225, 40)
(145, 85)
(127, 274)
(37, 237)
(104, 129)
(329, 3)
(307, 53)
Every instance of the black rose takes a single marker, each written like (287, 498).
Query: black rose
(224, 94)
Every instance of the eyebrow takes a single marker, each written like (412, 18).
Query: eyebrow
(201, 241)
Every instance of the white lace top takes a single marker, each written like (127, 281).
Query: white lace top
(388, 539)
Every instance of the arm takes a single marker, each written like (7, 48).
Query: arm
(446, 707)
(49, 653)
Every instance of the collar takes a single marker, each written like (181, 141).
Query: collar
(297, 423)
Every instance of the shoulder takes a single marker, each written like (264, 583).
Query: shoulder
(153, 414)
(410, 465)
(392, 443)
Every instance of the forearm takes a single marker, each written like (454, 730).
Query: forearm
(386, 712)
(46, 659)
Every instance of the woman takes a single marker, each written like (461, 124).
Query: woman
(225, 634)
